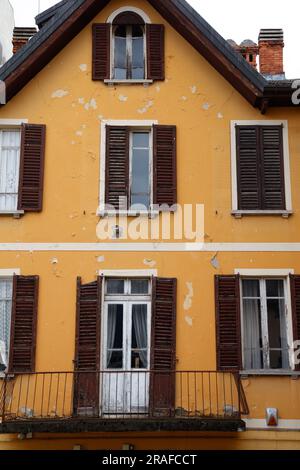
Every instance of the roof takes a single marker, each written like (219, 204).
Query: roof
(62, 22)
(46, 15)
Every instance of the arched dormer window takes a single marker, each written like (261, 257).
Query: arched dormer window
(129, 51)
(128, 48)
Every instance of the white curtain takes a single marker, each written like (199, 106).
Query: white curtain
(251, 323)
(9, 168)
(111, 330)
(139, 320)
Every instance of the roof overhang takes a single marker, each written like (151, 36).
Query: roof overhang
(62, 22)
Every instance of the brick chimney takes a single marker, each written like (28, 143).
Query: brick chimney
(271, 44)
(248, 49)
(21, 36)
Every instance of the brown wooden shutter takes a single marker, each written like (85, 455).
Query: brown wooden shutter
(155, 38)
(228, 324)
(163, 346)
(23, 324)
(273, 191)
(295, 297)
(165, 171)
(87, 348)
(101, 51)
(260, 168)
(32, 158)
(248, 168)
(117, 167)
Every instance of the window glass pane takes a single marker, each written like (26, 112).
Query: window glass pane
(277, 334)
(115, 336)
(139, 337)
(275, 288)
(139, 286)
(120, 55)
(137, 31)
(5, 321)
(9, 168)
(115, 360)
(140, 171)
(140, 140)
(115, 286)
(251, 288)
(140, 202)
(138, 68)
(252, 335)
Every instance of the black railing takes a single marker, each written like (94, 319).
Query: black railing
(121, 395)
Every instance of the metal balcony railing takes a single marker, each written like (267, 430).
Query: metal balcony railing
(121, 395)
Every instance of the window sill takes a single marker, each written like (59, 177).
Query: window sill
(149, 214)
(15, 214)
(284, 213)
(271, 372)
(144, 82)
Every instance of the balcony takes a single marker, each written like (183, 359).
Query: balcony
(121, 401)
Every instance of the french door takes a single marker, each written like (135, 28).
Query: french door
(124, 384)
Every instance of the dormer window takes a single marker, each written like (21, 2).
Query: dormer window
(129, 55)
(128, 48)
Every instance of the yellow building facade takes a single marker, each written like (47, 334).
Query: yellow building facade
(61, 243)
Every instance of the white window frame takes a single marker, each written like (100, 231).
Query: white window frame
(287, 175)
(127, 300)
(8, 274)
(110, 20)
(134, 125)
(263, 274)
(7, 124)
(129, 54)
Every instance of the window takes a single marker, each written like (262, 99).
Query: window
(264, 324)
(5, 320)
(10, 140)
(127, 324)
(22, 154)
(138, 167)
(260, 167)
(128, 48)
(129, 52)
(140, 170)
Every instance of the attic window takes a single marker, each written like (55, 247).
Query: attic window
(129, 51)
(128, 48)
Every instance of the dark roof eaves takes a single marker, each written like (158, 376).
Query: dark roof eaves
(39, 38)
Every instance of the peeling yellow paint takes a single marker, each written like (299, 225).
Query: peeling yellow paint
(188, 301)
(59, 94)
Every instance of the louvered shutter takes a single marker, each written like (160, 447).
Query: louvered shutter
(295, 296)
(260, 168)
(23, 324)
(101, 51)
(32, 158)
(163, 347)
(117, 167)
(87, 349)
(273, 192)
(164, 163)
(228, 324)
(248, 168)
(155, 39)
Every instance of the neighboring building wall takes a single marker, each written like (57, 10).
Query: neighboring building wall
(202, 104)
(7, 23)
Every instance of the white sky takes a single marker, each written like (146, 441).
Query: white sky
(233, 19)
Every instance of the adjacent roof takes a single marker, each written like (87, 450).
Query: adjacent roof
(46, 15)
(62, 22)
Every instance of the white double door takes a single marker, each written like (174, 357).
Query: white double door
(124, 382)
